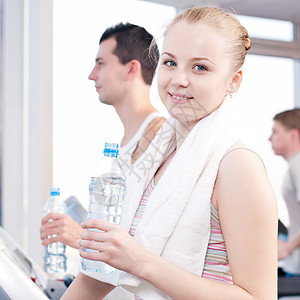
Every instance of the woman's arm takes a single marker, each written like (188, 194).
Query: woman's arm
(248, 216)
(84, 287)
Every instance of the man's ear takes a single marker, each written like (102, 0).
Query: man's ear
(235, 82)
(295, 135)
(134, 69)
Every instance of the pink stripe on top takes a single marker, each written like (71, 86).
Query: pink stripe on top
(141, 208)
(216, 266)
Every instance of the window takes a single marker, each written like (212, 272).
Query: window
(267, 88)
(268, 28)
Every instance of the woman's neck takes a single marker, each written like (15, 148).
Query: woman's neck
(182, 131)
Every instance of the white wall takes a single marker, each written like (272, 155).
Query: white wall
(27, 119)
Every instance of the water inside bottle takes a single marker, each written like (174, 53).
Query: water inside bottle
(106, 196)
(55, 259)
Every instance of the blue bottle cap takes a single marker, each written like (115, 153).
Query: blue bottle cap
(54, 191)
(111, 149)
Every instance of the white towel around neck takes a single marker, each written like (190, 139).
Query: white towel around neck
(188, 180)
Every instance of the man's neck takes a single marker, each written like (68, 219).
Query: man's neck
(292, 152)
(132, 112)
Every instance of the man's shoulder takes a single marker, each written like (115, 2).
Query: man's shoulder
(294, 165)
(147, 136)
(152, 129)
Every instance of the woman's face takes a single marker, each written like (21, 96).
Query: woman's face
(194, 73)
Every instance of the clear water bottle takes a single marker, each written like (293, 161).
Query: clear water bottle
(106, 193)
(55, 260)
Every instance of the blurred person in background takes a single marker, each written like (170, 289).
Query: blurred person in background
(285, 139)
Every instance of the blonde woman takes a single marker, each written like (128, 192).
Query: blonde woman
(206, 227)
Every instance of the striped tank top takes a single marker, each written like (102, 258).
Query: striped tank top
(216, 266)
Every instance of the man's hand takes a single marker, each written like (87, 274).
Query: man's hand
(64, 229)
(283, 249)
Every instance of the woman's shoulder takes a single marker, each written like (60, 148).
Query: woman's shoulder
(241, 175)
(240, 157)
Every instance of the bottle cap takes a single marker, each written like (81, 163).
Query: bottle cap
(54, 191)
(111, 149)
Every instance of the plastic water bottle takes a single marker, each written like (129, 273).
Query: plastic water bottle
(106, 193)
(55, 260)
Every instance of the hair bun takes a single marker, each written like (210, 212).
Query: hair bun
(247, 43)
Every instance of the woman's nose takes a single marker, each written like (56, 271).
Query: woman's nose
(180, 78)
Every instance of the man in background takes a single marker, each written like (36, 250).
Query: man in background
(124, 69)
(285, 141)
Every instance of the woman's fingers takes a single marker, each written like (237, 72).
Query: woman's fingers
(112, 245)
(99, 251)
(93, 245)
(97, 224)
(97, 255)
(93, 235)
(98, 230)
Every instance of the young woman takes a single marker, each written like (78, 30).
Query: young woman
(206, 227)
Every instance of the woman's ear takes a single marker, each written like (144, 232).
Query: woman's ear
(235, 82)
(134, 69)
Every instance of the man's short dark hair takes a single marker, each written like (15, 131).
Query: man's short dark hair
(133, 42)
(289, 118)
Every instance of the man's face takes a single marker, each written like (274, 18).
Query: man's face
(108, 73)
(280, 139)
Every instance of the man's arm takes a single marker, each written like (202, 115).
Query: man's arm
(285, 249)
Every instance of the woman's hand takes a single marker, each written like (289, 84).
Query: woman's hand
(114, 245)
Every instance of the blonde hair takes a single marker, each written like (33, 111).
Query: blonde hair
(235, 34)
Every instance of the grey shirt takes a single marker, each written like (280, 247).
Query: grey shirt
(291, 195)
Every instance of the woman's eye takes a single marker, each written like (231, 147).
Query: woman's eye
(200, 68)
(169, 63)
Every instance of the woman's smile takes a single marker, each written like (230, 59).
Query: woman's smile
(179, 98)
